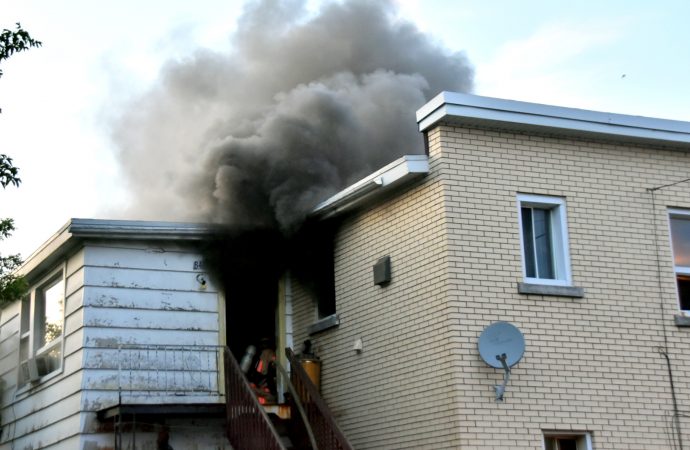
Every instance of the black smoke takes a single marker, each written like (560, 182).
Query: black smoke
(301, 107)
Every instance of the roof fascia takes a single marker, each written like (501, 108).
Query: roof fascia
(395, 174)
(457, 107)
(75, 231)
(139, 229)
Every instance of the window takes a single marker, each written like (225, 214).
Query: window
(568, 440)
(544, 240)
(680, 243)
(315, 272)
(42, 319)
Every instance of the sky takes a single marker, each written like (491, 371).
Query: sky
(629, 57)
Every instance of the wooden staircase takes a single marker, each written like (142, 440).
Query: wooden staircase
(304, 422)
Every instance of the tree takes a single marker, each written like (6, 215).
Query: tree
(11, 286)
(12, 42)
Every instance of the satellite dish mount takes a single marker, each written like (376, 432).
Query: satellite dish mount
(501, 345)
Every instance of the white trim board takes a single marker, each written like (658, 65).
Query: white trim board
(453, 107)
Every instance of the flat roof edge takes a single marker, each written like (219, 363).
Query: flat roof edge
(457, 106)
(68, 236)
(139, 229)
(395, 174)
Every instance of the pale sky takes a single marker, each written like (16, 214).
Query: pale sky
(629, 57)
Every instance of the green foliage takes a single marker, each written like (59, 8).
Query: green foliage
(8, 172)
(16, 41)
(12, 287)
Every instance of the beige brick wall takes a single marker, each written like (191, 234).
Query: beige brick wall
(591, 364)
(397, 392)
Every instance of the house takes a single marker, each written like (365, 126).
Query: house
(572, 226)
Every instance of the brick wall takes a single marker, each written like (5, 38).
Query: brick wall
(396, 393)
(591, 364)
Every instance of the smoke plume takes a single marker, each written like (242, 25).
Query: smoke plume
(302, 106)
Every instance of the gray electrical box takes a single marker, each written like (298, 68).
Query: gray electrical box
(382, 271)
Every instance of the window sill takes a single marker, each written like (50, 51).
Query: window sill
(681, 320)
(324, 324)
(551, 290)
(30, 386)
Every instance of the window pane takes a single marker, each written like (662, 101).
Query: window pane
(567, 444)
(542, 242)
(25, 318)
(680, 237)
(528, 241)
(562, 443)
(49, 361)
(52, 307)
(684, 291)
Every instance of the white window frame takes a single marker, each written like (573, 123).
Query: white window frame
(559, 238)
(677, 270)
(32, 333)
(584, 437)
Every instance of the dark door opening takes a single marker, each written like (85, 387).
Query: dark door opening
(248, 265)
(251, 300)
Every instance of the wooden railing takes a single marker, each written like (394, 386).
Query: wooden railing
(248, 425)
(326, 432)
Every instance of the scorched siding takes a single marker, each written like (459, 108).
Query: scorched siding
(138, 294)
(131, 292)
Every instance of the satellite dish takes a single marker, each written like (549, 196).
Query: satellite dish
(498, 339)
(501, 345)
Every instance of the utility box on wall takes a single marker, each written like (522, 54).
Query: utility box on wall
(382, 271)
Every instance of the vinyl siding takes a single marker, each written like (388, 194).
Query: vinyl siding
(43, 414)
(139, 294)
(117, 293)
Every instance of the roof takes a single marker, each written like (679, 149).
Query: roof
(73, 233)
(475, 110)
(395, 174)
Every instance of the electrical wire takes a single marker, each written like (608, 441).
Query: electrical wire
(663, 186)
(662, 309)
(670, 431)
(675, 418)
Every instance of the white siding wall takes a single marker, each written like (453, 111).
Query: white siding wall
(136, 294)
(47, 414)
(118, 294)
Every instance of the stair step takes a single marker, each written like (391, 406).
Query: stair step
(281, 410)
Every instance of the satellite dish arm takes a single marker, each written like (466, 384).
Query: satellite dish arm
(501, 388)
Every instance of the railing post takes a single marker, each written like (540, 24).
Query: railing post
(119, 374)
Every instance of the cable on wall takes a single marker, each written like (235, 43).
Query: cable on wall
(662, 312)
